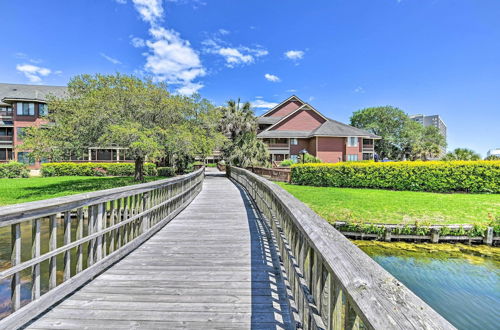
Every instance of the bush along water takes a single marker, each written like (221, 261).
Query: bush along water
(433, 176)
(94, 169)
(13, 170)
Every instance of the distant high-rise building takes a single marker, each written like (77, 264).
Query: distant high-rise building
(433, 120)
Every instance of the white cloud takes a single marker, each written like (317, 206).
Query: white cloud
(151, 11)
(172, 59)
(291, 91)
(32, 72)
(261, 104)
(110, 59)
(121, 2)
(294, 54)
(137, 42)
(233, 56)
(169, 58)
(223, 31)
(272, 77)
(359, 89)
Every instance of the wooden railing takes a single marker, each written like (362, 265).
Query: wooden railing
(334, 284)
(106, 226)
(275, 174)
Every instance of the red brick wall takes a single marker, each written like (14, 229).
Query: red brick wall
(303, 120)
(312, 146)
(285, 109)
(331, 149)
(303, 144)
(355, 150)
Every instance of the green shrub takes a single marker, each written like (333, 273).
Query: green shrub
(287, 162)
(95, 169)
(435, 176)
(211, 165)
(14, 170)
(308, 158)
(166, 171)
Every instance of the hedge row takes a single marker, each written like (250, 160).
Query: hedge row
(435, 176)
(95, 169)
(14, 170)
(166, 171)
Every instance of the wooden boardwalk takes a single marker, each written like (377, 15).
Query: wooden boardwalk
(212, 267)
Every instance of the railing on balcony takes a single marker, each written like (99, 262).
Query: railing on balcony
(6, 138)
(4, 113)
(368, 147)
(277, 145)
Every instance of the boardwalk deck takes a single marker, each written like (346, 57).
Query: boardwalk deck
(212, 267)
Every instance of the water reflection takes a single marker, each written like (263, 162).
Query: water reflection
(460, 282)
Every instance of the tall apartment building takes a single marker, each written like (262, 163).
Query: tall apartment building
(293, 126)
(23, 106)
(433, 120)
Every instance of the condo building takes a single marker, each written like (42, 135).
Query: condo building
(294, 127)
(23, 106)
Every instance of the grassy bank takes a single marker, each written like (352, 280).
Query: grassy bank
(13, 191)
(394, 207)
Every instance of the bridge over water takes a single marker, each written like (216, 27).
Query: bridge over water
(194, 252)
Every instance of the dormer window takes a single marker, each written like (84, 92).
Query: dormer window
(25, 109)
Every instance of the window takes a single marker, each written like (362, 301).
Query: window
(352, 158)
(294, 141)
(25, 109)
(5, 111)
(5, 154)
(42, 109)
(23, 157)
(352, 141)
(21, 133)
(295, 158)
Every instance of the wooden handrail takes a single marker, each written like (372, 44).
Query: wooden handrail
(116, 220)
(335, 285)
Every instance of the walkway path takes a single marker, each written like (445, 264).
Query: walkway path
(210, 268)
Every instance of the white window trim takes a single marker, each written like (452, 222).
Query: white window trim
(349, 141)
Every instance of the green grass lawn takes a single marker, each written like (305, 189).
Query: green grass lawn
(387, 206)
(13, 191)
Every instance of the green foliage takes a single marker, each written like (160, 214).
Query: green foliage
(166, 171)
(94, 169)
(461, 154)
(14, 170)
(493, 157)
(437, 176)
(211, 165)
(308, 158)
(287, 162)
(242, 149)
(401, 137)
(128, 112)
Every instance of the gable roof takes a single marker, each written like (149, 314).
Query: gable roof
(335, 128)
(293, 97)
(268, 120)
(305, 106)
(22, 92)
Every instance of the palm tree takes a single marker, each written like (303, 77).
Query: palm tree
(462, 154)
(239, 124)
(237, 119)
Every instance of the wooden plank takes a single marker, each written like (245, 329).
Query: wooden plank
(35, 253)
(52, 246)
(67, 240)
(204, 280)
(15, 258)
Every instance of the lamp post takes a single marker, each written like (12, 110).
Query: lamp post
(302, 153)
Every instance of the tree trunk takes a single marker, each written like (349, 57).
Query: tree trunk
(139, 169)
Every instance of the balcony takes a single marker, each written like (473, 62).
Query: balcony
(5, 113)
(277, 145)
(6, 139)
(368, 148)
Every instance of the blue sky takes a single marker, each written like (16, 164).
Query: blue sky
(423, 56)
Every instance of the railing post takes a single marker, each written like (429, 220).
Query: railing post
(35, 253)
(98, 229)
(67, 240)
(15, 258)
(145, 206)
(52, 246)
(79, 235)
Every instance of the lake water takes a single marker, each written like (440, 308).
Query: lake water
(460, 282)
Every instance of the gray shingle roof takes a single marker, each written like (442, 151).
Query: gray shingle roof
(335, 128)
(268, 120)
(328, 128)
(30, 92)
(284, 134)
